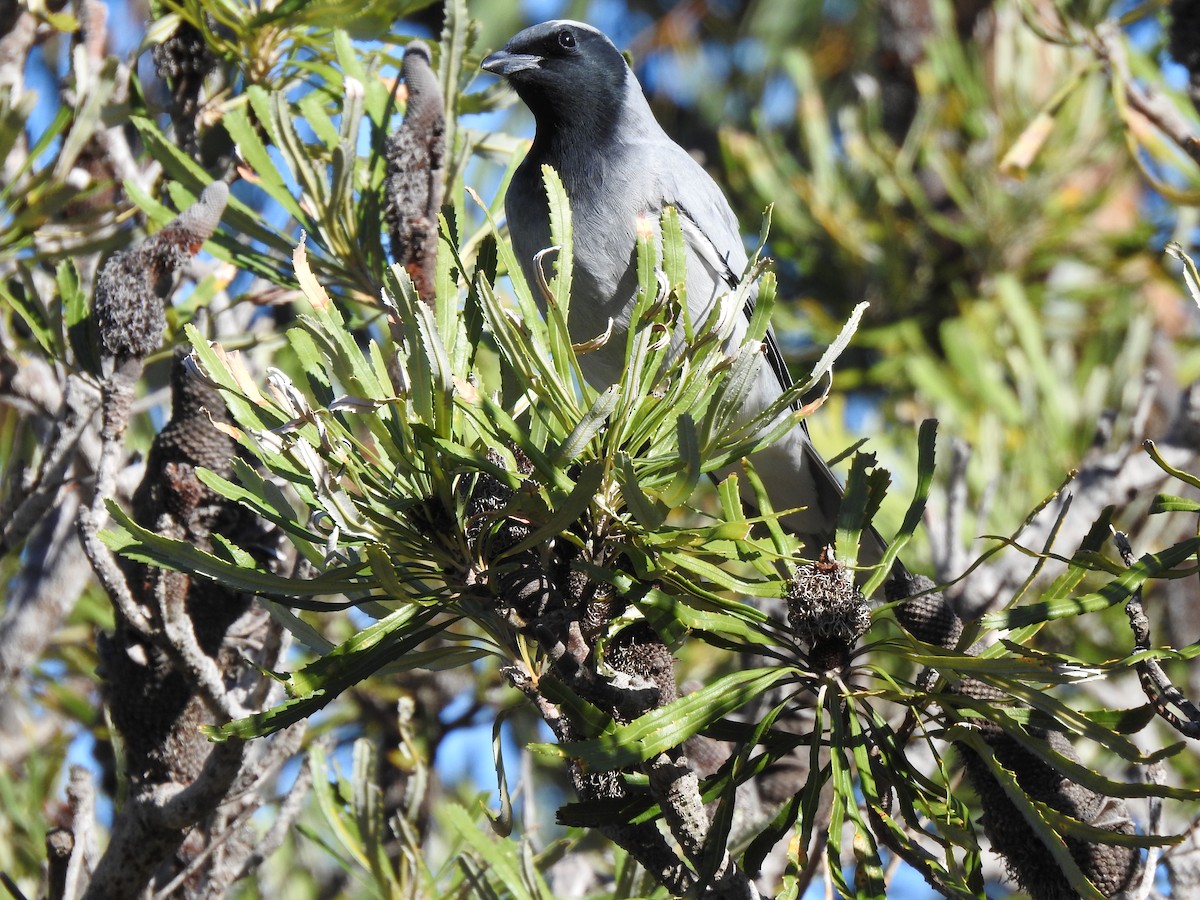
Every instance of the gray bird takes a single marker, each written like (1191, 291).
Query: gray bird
(595, 128)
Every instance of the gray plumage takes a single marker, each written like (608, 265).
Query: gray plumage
(595, 128)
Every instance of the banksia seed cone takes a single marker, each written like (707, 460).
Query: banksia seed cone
(827, 611)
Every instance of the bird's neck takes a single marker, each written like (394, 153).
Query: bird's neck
(561, 139)
(594, 121)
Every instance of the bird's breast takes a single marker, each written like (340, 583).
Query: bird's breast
(604, 212)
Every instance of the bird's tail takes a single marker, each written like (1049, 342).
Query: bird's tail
(828, 497)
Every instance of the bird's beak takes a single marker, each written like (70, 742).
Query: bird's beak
(507, 64)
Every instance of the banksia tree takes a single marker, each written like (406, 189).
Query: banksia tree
(385, 505)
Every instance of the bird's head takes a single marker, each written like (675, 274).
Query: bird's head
(566, 72)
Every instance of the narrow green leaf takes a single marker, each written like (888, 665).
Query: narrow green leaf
(562, 238)
(1152, 565)
(34, 315)
(263, 498)
(926, 463)
(568, 510)
(713, 574)
(647, 511)
(582, 714)
(812, 809)
(81, 329)
(254, 151)
(332, 807)
(498, 857)
(356, 658)
(54, 129)
(657, 604)
(674, 264)
(322, 680)
(683, 485)
(453, 44)
(589, 426)
(502, 821)
(670, 725)
(89, 106)
(145, 546)
(1165, 503)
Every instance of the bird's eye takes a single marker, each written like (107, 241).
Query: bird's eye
(566, 40)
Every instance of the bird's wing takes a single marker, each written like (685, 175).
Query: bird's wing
(711, 231)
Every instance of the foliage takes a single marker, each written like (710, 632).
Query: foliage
(1012, 290)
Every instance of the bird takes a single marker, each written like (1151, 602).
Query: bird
(594, 126)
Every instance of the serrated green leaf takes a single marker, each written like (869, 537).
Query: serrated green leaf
(647, 511)
(589, 426)
(687, 477)
(145, 546)
(321, 681)
(669, 726)
(1152, 565)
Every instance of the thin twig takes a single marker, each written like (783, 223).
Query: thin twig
(179, 633)
(1147, 100)
(81, 794)
(79, 405)
(203, 856)
(289, 812)
(118, 395)
(1156, 684)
